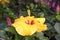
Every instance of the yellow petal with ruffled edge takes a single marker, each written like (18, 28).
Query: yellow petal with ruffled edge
(41, 20)
(20, 19)
(41, 27)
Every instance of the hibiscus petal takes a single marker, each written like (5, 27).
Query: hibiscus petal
(41, 20)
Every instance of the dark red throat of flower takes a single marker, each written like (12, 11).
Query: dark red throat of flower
(30, 22)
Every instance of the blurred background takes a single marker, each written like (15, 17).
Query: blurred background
(12, 9)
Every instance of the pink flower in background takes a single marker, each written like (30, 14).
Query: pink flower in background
(57, 8)
(8, 21)
(1, 38)
(53, 5)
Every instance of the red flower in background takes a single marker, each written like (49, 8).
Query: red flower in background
(8, 21)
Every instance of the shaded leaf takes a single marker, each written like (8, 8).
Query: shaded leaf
(57, 27)
(41, 36)
(57, 37)
(2, 33)
(58, 17)
(3, 26)
(10, 29)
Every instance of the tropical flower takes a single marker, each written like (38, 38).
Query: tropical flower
(27, 26)
(4, 1)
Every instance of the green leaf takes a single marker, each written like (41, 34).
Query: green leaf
(41, 36)
(3, 25)
(51, 18)
(17, 37)
(2, 33)
(10, 29)
(32, 5)
(57, 27)
(57, 37)
(29, 38)
(58, 17)
(23, 13)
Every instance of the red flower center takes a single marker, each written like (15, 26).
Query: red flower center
(31, 22)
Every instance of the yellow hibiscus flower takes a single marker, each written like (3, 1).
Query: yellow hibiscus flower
(4, 1)
(27, 26)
